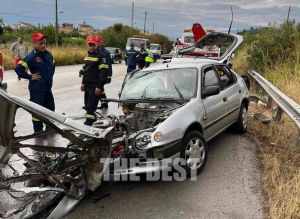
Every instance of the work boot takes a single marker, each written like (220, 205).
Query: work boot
(89, 122)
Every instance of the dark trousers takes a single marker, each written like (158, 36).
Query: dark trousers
(91, 103)
(103, 96)
(141, 64)
(44, 99)
(147, 64)
(130, 68)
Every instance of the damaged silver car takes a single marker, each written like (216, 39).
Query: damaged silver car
(46, 175)
(172, 110)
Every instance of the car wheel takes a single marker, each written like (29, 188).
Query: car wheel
(194, 152)
(240, 126)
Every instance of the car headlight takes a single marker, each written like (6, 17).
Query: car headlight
(142, 140)
(158, 136)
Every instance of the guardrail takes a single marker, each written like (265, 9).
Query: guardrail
(285, 104)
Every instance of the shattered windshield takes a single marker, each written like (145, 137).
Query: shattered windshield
(162, 84)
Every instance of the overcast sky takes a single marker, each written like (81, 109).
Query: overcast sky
(170, 16)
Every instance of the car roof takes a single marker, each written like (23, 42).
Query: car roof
(187, 63)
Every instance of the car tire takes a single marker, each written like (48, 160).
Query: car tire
(194, 142)
(240, 126)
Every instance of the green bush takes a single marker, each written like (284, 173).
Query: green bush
(267, 47)
(73, 41)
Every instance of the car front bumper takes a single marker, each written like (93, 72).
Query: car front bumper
(159, 159)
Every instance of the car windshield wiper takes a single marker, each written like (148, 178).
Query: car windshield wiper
(179, 93)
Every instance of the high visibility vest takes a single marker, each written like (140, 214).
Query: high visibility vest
(149, 57)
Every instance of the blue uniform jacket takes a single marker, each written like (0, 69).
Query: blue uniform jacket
(104, 52)
(37, 62)
(131, 57)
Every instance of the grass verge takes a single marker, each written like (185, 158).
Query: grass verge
(62, 56)
(278, 154)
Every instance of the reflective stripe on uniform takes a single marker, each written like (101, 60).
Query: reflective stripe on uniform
(103, 66)
(23, 64)
(53, 62)
(35, 119)
(89, 116)
(92, 59)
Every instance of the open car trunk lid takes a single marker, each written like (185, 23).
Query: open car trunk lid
(217, 46)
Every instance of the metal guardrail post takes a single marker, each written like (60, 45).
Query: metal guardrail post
(270, 101)
(285, 104)
(278, 114)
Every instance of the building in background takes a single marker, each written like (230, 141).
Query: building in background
(86, 29)
(66, 28)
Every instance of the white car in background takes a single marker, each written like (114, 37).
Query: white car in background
(137, 41)
(156, 50)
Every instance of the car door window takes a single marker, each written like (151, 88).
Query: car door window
(210, 78)
(226, 77)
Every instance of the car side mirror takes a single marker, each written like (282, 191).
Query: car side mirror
(210, 91)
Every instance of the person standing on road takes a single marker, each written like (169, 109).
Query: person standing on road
(149, 57)
(19, 50)
(41, 64)
(94, 78)
(142, 56)
(105, 53)
(131, 58)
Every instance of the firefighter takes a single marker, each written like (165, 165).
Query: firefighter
(104, 52)
(41, 64)
(131, 58)
(142, 56)
(149, 57)
(94, 77)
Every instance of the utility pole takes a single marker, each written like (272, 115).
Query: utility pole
(132, 13)
(56, 24)
(153, 27)
(145, 22)
(288, 17)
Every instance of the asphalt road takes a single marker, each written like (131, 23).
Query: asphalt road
(228, 187)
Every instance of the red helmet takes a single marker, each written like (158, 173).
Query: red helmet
(37, 37)
(91, 39)
(98, 38)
